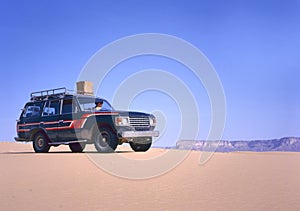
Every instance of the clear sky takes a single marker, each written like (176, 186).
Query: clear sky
(253, 45)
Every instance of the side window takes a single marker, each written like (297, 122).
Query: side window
(69, 106)
(33, 110)
(51, 108)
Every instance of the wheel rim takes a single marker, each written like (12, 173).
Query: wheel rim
(103, 139)
(40, 142)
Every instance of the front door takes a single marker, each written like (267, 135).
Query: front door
(68, 120)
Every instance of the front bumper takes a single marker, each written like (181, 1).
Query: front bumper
(138, 134)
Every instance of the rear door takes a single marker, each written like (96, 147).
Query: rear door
(30, 119)
(50, 118)
(70, 114)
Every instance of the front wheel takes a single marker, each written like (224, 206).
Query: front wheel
(41, 143)
(105, 140)
(77, 147)
(140, 147)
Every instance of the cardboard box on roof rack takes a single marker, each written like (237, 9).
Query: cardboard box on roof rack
(85, 88)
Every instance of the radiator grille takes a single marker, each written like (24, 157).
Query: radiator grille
(139, 122)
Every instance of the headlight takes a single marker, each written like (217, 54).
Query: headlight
(152, 120)
(122, 121)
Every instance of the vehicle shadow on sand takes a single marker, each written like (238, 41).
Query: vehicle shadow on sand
(65, 152)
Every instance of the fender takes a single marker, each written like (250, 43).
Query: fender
(102, 118)
(35, 131)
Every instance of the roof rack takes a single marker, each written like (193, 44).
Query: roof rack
(46, 93)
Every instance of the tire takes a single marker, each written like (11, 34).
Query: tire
(105, 140)
(140, 147)
(41, 143)
(77, 147)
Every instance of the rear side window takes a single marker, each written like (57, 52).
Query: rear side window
(33, 109)
(69, 106)
(51, 108)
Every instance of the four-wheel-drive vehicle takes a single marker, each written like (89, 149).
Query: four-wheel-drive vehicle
(54, 117)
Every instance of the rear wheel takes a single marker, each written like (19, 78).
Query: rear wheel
(41, 143)
(77, 147)
(105, 140)
(140, 147)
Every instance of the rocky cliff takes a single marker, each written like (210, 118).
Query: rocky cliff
(291, 144)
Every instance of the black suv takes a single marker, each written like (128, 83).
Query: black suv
(54, 117)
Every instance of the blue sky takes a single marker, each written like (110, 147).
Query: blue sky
(253, 45)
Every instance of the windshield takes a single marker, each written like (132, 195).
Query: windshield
(90, 104)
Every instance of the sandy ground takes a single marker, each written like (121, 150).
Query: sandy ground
(60, 180)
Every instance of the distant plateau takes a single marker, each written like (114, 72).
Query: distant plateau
(289, 144)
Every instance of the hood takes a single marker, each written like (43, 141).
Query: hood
(132, 113)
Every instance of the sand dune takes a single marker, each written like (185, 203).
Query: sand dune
(61, 180)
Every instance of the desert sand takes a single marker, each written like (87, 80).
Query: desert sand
(60, 180)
